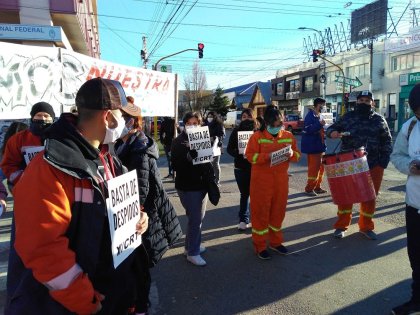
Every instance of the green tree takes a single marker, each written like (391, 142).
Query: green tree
(220, 103)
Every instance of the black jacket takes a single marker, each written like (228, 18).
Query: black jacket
(232, 147)
(167, 131)
(140, 152)
(189, 177)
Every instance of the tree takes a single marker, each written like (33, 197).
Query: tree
(196, 94)
(220, 103)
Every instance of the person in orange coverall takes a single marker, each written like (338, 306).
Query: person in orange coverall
(270, 182)
(62, 230)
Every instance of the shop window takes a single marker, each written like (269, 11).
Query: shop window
(308, 84)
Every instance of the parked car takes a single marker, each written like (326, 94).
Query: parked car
(293, 123)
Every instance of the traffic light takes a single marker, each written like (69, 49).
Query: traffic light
(200, 50)
(143, 54)
(316, 53)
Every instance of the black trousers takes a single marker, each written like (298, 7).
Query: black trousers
(412, 217)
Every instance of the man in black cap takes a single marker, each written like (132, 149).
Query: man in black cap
(22, 147)
(363, 127)
(62, 228)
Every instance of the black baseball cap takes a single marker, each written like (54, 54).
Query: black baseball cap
(365, 93)
(101, 94)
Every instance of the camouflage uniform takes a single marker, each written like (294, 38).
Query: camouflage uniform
(370, 131)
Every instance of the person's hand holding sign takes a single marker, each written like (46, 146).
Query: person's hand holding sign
(289, 153)
(143, 223)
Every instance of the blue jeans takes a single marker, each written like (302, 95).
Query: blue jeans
(243, 179)
(216, 167)
(194, 203)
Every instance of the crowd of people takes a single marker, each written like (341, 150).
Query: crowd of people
(61, 258)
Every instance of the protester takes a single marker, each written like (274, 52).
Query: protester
(217, 134)
(242, 169)
(191, 188)
(313, 144)
(22, 146)
(14, 128)
(139, 152)
(270, 182)
(364, 128)
(406, 158)
(166, 135)
(62, 228)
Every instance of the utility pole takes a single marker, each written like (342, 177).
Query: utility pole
(371, 65)
(143, 52)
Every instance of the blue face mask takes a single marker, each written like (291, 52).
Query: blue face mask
(273, 130)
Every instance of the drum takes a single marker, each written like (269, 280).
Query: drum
(348, 177)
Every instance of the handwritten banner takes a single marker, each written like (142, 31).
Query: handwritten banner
(123, 214)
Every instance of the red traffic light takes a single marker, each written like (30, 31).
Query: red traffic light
(200, 46)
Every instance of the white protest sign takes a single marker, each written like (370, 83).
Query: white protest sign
(327, 117)
(199, 139)
(216, 149)
(123, 214)
(279, 156)
(243, 138)
(30, 152)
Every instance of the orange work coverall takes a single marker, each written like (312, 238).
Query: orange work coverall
(269, 186)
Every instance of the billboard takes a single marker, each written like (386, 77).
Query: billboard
(369, 21)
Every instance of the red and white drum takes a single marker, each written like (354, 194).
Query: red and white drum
(348, 177)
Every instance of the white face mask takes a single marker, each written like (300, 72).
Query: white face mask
(210, 119)
(190, 126)
(111, 135)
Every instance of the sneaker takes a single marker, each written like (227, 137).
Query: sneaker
(320, 191)
(202, 250)
(280, 249)
(249, 225)
(169, 176)
(311, 193)
(242, 226)
(196, 260)
(339, 233)
(264, 255)
(369, 235)
(408, 308)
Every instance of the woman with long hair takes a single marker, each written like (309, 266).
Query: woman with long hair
(217, 134)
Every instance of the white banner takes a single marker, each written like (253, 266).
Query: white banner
(123, 214)
(243, 138)
(199, 139)
(328, 118)
(29, 74)
(279, 156)
(404, 42)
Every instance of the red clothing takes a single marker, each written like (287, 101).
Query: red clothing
(13, 162)
(269, 186)
(315, 171)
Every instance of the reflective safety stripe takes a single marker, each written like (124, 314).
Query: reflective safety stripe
(260, 232)
(284, 140)
(274, 228)
(313, 178)
(255, 157)
(64, 280)
(265, 141)
(297, 154)
(368, 215)
(345, 211)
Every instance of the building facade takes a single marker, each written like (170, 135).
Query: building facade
(75, 20)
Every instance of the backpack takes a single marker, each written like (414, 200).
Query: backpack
(410, 128)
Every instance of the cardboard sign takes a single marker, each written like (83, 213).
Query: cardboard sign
(199, 139)
(243, 138)
(30, 152)
(216, 149)
(279, 156)
(123, 214)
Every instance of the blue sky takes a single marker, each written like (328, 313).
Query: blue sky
(244, 40)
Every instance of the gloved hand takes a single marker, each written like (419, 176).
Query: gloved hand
(192, 154)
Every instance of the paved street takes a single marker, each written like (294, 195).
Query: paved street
(321, 275)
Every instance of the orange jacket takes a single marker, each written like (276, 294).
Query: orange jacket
(262, 144)
(13, 162)
(46, 251)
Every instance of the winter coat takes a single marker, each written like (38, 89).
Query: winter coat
(369, 131)
(167, 132)
(232, 148)
(312, 135)
(140, 153)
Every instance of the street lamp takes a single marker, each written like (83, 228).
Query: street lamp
(318, 31)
